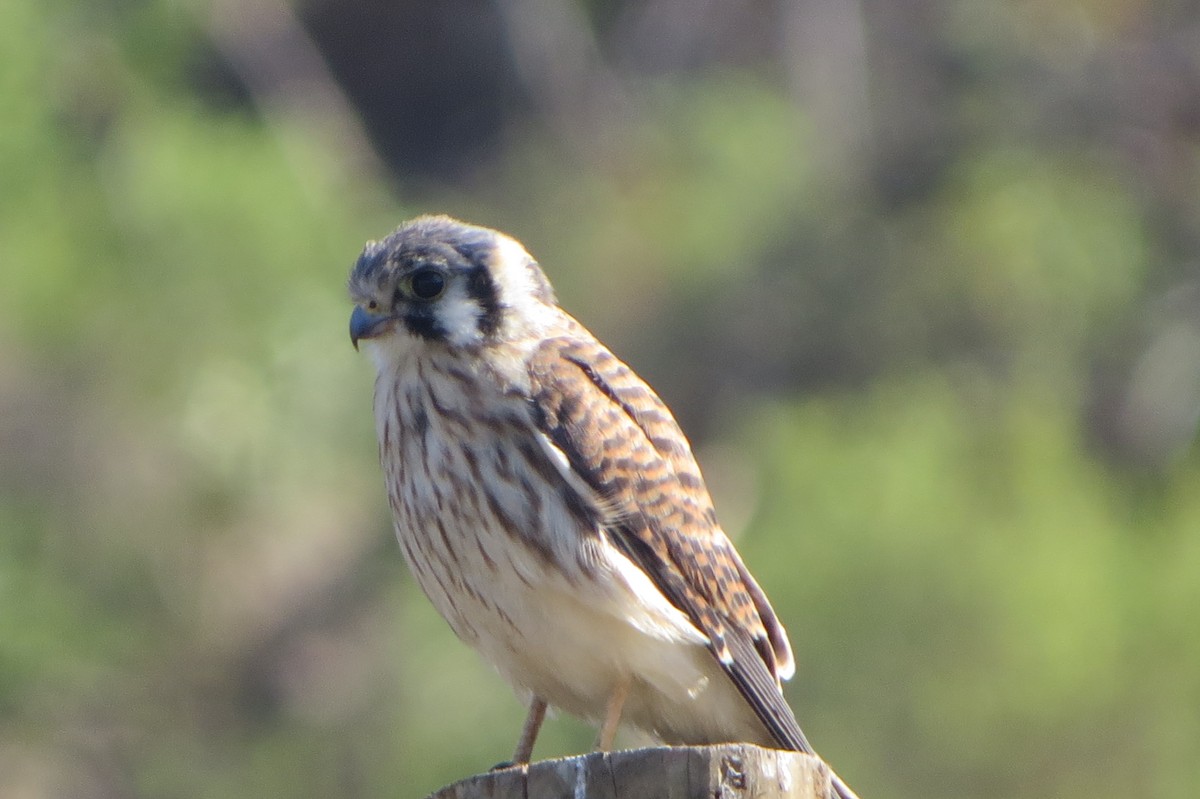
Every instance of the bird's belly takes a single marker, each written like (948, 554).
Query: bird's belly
(570, 639)
(564, 635)
(493, 540)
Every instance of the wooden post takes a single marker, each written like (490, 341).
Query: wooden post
(727, 771)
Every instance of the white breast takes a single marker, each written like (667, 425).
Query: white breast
(484, 524)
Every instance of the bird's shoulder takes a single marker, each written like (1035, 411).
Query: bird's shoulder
(615, 428)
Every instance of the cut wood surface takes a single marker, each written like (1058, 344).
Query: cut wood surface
(727, 771)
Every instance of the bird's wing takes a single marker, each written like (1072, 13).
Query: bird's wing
(621, 439)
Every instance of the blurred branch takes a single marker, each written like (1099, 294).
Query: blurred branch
(289, 81)
(560, 64)
(825, 55)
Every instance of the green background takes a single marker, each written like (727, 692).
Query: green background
(921, 281)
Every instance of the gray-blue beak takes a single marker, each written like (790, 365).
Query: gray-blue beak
(364, 324)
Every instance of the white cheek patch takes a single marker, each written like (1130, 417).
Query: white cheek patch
(459, 315)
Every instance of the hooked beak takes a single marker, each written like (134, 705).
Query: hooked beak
(364, 324)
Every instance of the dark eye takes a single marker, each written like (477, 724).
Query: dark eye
(427, 284)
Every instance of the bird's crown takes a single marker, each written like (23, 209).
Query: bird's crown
(438, 279)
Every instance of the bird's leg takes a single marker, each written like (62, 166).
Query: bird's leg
(612, 714)
(529, 732)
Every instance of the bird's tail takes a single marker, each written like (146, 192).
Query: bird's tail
(759, 687)
(840, 788)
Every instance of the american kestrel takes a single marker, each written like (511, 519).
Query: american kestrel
(549, 505)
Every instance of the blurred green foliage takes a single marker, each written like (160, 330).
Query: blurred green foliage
(953, 424)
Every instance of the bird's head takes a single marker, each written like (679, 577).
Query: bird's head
(440, 280)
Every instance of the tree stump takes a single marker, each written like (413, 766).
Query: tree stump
(727, 771)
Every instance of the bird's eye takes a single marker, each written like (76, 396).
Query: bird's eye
(427, 284)
(372, 305)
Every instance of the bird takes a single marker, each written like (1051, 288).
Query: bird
(550, 507)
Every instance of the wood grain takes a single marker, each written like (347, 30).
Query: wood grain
(728, 771)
